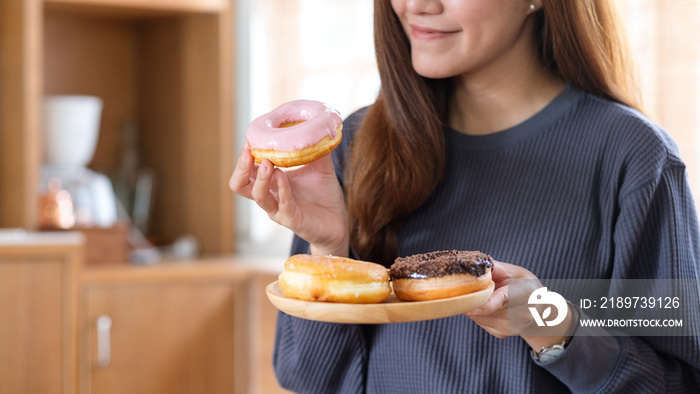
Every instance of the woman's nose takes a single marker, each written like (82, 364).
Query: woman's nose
(424, 6)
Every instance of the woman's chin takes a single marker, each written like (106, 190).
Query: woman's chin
(429, 70)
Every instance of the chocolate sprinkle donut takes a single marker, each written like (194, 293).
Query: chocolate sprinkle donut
(441, 263)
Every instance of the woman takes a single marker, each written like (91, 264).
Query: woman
(506, 126)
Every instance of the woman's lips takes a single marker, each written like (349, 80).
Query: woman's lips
(426, 34)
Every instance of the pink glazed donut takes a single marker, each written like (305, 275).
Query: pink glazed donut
(295, 133)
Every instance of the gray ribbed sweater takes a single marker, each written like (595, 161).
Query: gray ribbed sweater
(584, 189)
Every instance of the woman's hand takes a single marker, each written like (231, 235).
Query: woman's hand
(308, 200)
(506, 312)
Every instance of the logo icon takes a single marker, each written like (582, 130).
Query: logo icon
(543, 297)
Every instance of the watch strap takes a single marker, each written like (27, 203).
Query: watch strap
(549, 353)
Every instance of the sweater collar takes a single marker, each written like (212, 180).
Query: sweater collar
(539, 122)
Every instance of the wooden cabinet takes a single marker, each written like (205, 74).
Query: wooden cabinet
(38, 312)
(263, 320)
(163, 67)
(172, 328)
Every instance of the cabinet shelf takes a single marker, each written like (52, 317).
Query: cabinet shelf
(135, 7)
(163, 67)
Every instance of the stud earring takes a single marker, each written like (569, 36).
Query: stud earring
(532, 7)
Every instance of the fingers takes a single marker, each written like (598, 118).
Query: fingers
(501, 272)
(253, 181)
(508, 288)
(268, 186)
(285, 199)
(243, 177)
(506, 313)
(261, 191)
(498, 300)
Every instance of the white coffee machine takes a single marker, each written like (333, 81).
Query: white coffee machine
(70, 131)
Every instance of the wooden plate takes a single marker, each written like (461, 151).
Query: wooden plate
(391, 310)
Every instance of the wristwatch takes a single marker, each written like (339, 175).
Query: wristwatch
(550, 353)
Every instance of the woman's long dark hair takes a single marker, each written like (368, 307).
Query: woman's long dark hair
(397, 156)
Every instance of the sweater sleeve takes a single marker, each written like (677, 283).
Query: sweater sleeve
(317, 357)
(655, 236)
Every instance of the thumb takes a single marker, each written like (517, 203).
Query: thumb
(324, 164)
(498, 300)
(501, 272)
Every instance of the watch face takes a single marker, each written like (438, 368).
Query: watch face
(549, 353)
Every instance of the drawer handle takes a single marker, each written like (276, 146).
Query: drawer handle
(104, 354)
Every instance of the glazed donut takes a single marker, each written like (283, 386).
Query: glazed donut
(334, 279)
(442, 274)
(295, 133)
